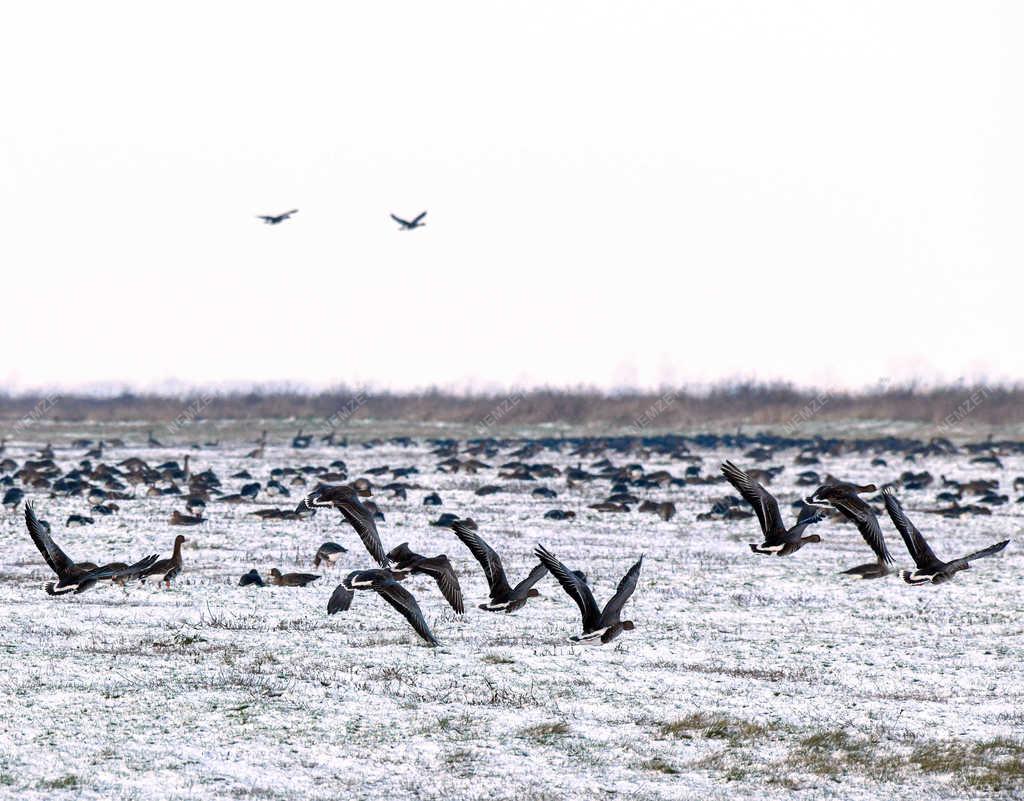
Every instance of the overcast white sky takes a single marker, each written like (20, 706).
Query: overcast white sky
(626, 193)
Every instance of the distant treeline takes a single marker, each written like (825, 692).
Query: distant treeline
(757, 404)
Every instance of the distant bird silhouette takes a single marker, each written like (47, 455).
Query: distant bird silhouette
(407, 225)
(276, 219)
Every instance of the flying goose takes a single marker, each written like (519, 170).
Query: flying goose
(118, 572)
(778, 539)
(503, 597)
(345, 499)
(929, 567)
(388, 588)
(834, 489)
(68, 571)
(439, 568)
(276, 219)
(599, 627)
(406, 225)
(860, 513)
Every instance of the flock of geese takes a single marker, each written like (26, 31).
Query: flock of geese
(599, 625)
(403, 224)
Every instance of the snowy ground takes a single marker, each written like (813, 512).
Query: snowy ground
(747, 676)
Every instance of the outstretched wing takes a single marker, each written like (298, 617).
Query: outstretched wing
(110, 573)
(622, 593)
(465, 530)
(538, 572)
(763, 502)
(341, 600)
(991, 550)
(401, 599)
(919, 550)
(440, 569)
(400, 221)
(418, 217)
(56, 558)
(361, 519)
(861, 515)
(576, 588)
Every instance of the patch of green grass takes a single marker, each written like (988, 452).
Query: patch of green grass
(660, 765)
(545, 732)
(996, 764)
(715, 727)
(66, 782)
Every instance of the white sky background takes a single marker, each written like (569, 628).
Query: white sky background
(618, 193)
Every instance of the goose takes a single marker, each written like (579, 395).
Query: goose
(75, 576)
(834, 489)
(599, 626)
(251, 578)
(67, 570)
(407, 225)
(860, 513)
(503, 597)
(168, 569)
(276, 219)
(929, 567)
(329, 552)
(778, 540)
(388, 588)
(291, 579)
(439, 568)
(346, 500)
(178, 519)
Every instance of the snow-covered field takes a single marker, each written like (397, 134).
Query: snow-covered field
(746, 677)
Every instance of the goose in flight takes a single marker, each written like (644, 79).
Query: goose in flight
(833, 490)
(860, 513)
(778, 539)
(599, 626)
(74, 576)
(406, 562)
(276, 219)
(346, 500)
(388, 588)
(929, 566)
(503, 597)
(406, 225)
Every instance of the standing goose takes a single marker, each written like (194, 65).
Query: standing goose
(599, 627)
(388, 588)
(503, 597)
(345, 499)
(168, 569)
(438, 568)
(929, 566)
(778, 540)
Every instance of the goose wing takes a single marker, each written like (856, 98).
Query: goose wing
(576, 588)
(440, 569)
(400, 221)
(361, 519)
(341, 599)
(402, 600)
(919, 549)
(867, 524)
(622, 593)
(538, 572)
(485, 555)
(765, 506)
(418, 217)
(991, 550)
(58, 561)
